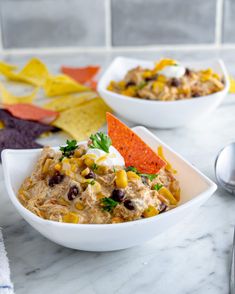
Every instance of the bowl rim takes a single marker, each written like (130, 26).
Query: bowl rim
(102, 89)
(36, 219)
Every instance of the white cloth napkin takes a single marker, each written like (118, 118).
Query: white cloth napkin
(6, 286)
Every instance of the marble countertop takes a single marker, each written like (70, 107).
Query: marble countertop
(192, 257)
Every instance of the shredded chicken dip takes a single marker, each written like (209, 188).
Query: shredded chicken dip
(167, 81)
(85, 185)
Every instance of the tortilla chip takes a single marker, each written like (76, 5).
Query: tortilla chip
(83, 120)
(81, 74)
(6, 66)
(31, 112)
(29, 129)
(34, 73)
(35, 70)
(62, 85)
(13, 139)
(66, 102)
(9, 98)
(134, 150)
(232, 85)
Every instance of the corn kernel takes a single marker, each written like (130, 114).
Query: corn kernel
(46, 165)
(85, 172)
(100, 196)
(102, 169)
(117, 219)
(147, 74)
(71, 217)
(158, 86)
(121, 179)
(96, 187)
(150, 211)
(79, 205)
(73, 168)
(89, 162)
(166, 193)
(132, 175)
(58, 167)
(161, 78)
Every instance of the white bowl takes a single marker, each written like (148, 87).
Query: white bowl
(196, 189)
(160, 114)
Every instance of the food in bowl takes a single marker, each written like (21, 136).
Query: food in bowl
(111, 178)
(168, 80)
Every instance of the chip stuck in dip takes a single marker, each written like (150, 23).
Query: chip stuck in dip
(91, 182)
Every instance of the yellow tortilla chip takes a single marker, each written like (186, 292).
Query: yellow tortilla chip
(232, 85)
(6, 66)
(9, 98)
(62, 85)
(69, 101)
(34, 73)
(35, 70)
(83, 120)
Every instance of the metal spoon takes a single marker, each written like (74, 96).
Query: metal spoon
(225, 175)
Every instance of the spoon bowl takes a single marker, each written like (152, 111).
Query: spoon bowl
(225, 168)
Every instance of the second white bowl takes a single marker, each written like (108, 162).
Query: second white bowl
(160, 114)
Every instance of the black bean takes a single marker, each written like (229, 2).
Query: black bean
(118, 195)
(162, 207)
(152, 78)
(129, 204)
(175, 82)
(187, 72)
(194, 95)
(91, 175)
(130, 83)
(56, 179)
(73, 192)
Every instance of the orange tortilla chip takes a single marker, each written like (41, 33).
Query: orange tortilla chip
(81, 74)
(134, 150)
(31, 112)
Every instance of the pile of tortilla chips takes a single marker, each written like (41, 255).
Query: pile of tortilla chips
(73, 106)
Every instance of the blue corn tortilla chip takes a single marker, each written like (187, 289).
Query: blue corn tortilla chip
(26, 128)
(20, 134)
(13, 139)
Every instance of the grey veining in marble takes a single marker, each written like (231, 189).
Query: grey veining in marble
(49, 23)
(137, 22)
(192, 257)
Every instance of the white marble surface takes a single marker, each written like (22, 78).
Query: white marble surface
(192, 257)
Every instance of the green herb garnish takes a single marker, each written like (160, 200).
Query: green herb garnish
(134, 169)
(141, 85)
(108, 204)
(68, 150)
(131, 168)
(94, 166)
(92, 182)
(100, 141)
(157, 186)
(149, 176)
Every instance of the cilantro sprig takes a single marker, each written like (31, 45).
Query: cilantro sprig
(68, 150)
(157, 186)
(100, 141)
(108, 204)
(134, 169)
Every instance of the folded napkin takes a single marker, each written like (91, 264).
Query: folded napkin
(6, 286)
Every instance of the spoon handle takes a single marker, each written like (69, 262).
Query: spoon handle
(232, 273)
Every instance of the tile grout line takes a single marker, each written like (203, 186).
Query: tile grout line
(108, 24)
(1, 32)
(219, 22)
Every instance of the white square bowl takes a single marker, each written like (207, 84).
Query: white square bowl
(196, 189)
(160, 114)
